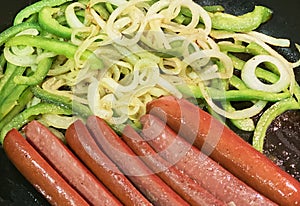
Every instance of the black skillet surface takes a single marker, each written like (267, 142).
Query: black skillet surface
(283, 137)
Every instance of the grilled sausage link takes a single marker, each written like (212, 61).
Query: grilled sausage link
(227, 148)
(83, 144)
(156, 190)
(68, 165)
(38, 172)
(188, 188)
(199, 166)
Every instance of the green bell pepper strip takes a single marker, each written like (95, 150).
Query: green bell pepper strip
(28, 114)
(244, 23)
(8, 103)
(59, 47)
(233, 95)
(51, 25)
(78, 108)
(246, 124)
(12, 31)
(109, 7)
(9, 85)
(23, 100)
(268, 116)
(38, 76)
(10, 68)
(35, 8)
(228, 22)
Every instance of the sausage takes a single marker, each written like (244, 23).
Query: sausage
(197, 165)
(189, 189)
(227, 148)
(83, 144)
(156, 190)
(68, 165)
(38, 172)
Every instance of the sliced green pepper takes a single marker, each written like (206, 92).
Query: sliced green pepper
(51, 25)
(9, 85)
(35, 8)
(58, 47)
(244, 23)
(28, 114)
(38, 76)
(233, 95)
(76, 107)
(25, 97)
(12, 31)
(268, 116)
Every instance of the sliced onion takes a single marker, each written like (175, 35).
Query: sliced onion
(251, 80)
(58, 121)
(23, 61)
(270, 40)
(71, 17)
(169, 87)
(237, 114)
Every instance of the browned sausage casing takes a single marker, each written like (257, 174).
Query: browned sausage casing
(83, 144)
(198, 166)
(68, 165)
(156, 190)
(38, 172)
(189, 189)
(227, 148)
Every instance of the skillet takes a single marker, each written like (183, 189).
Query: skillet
(283, 136)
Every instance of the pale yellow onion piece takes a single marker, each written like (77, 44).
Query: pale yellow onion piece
(197, 12)
(82, 48)
(297, 63)
(248, 38)
(157, 92)
(135, 16)
(93, 95)
(104, 106)
(76, 32)
(115, 87)
(251, 80)
(237, 114)
(22, 51)
(101, 23)
(100, 106)
(116, 35)
(23, 61)
(204, 54)
(155, 18)
(170, 66)
(53, 84)
(157, 7)
(170, 88)
(57, 121)
(71, 17)
(119, 68)
(148, 72)
(45, 55)
(129, 107)
(270, 40)
(176, 5)
(33, 32)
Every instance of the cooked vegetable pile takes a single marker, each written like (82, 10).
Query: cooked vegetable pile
(63, 60)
